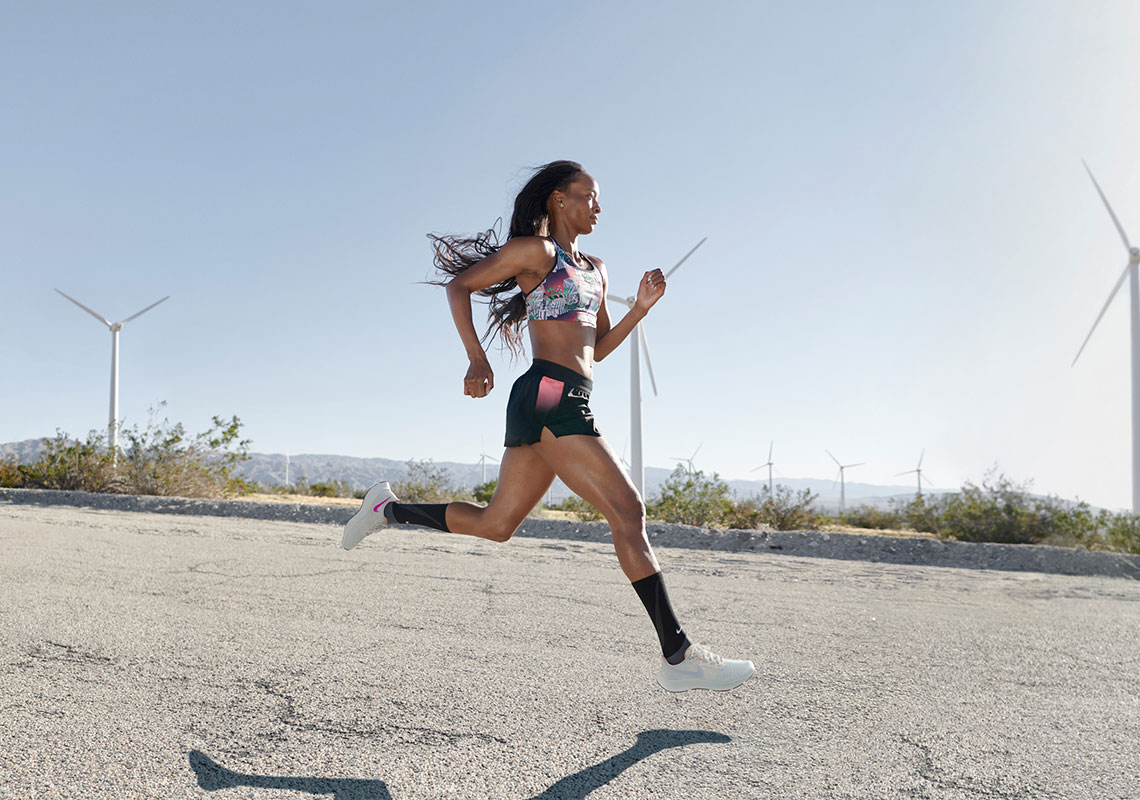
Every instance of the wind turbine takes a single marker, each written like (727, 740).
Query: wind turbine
(637, 471)
(917, 470)
(689, 460)
(114, 327)
(483, 462)
(842, 485)
(1129, 269)
(769, 466)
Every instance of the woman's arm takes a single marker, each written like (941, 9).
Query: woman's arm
(649, 291)
(517, 257)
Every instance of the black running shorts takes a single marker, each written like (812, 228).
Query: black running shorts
(549, 395)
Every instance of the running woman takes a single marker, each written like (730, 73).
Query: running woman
(540, 277)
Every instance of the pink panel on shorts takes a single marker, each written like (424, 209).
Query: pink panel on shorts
(549, 393)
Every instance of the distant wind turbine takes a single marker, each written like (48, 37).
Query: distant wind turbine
(1131, 269)
(842, 485)
(917, 470)
(689, 460)
(769, 466)
(115, 327)
(483, 457)
(637, 472)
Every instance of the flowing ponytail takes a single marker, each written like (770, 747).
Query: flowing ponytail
(456, 254)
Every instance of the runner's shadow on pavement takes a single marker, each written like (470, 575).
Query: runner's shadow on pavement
(212, 776)
(580, 784)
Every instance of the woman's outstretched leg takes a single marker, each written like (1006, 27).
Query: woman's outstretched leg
(524, 477)
(589, 467)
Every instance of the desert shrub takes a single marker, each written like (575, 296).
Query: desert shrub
(691, 498)
(784, 509)
(330, 489)
(72, 465)
(1066, 523)
(580, 508)
(870, 517)
(427, 483)
(485, 491)
(922, 514)
(1001, 510)
(1119, 531)
(10, 475)
(163, 460)
(321, 489)
(744, 515)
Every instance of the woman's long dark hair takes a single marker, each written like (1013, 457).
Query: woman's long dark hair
(454, 254)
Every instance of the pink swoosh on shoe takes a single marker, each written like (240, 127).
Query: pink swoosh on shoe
(378, 506)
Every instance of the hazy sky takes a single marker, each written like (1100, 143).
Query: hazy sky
(904, 250)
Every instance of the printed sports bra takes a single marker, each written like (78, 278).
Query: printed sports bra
(568, 292)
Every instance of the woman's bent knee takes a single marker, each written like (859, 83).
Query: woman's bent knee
(501, 533)
(501, 530)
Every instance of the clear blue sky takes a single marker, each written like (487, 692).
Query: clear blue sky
(904, 251)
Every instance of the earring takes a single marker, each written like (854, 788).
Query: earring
(560, 204)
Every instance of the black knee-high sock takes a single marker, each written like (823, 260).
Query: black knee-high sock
(429, 515)
(653, 596)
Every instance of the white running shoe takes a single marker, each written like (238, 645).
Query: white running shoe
(703, 669)
(370, 518)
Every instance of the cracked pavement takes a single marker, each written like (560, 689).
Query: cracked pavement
(148, 655)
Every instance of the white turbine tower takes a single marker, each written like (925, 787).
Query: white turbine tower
(769, 466)
(689, 460)
(842, 485)
(637, 469)
(1131, 269)
(114, 327)
(917, 470)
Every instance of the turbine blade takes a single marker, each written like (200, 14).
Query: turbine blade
(648, 363)
(770, 451)
(699, 446)
(1111, 213)
(621, 300)
(921, 456)
(99, 317)
(148, 308)
(908, 472)
(1112, 294)
(860, 464)
(833, 458)
(682, 261)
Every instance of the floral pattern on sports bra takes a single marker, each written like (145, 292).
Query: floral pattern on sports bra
(568, 292)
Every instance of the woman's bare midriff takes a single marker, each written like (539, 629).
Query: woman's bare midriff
(568, 343)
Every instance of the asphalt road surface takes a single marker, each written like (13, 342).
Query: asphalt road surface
(157, 656)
